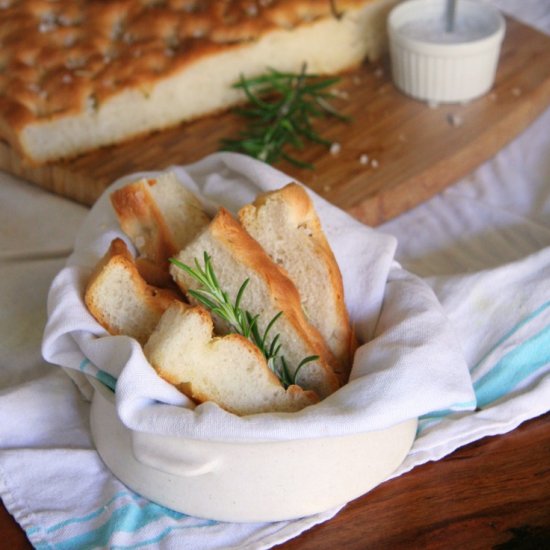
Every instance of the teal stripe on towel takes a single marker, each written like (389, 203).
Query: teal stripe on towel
(104, 377)
(507, 373)
(92, 515)
(432, 418)
(84, 363)
(512, 331)
(513, 368)
(107, 379)
(129, 518)
(457, 407)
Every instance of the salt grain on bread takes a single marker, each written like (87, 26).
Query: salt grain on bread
(75, 76)
(120, 300)
(160, 216)
(227, 370)
(286, 225)
(236, 256)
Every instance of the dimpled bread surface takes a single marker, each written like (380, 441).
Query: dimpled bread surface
(76, 75)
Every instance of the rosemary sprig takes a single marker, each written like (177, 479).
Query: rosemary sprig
(213, 297)
(281, 109)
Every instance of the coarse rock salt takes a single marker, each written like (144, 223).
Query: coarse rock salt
(335, 148)
(455, 120)
(342, 94)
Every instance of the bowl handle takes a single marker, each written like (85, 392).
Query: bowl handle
(172, 455)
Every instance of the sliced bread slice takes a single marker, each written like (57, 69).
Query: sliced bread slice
(286, 225)
(119, 298)
(228, 370)
(236, 257)
(159, 215)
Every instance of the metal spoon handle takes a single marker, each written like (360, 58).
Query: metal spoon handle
(450, 12)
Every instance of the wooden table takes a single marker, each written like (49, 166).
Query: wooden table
(494, 493)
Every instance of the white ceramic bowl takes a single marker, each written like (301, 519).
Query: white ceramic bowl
(431, 64)
(246, 482)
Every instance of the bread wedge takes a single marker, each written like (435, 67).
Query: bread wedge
(120, 300)
(227, 370)
(160, 216)
(235, 257)
(287, 227)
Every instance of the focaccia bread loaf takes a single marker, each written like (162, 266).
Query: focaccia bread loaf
(75, 76)
(235, 257)
(120, 300)
(228, 370)
(287, 227)
(160, 216)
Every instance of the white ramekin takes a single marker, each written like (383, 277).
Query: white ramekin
(246, 482)
(430, 69)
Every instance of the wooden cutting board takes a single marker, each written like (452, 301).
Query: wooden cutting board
(413, 150)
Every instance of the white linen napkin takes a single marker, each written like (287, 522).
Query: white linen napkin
(58, 489)
(411, 363)
(502, 318)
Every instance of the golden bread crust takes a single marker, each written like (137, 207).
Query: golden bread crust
(229, 231)
(303, 215)
(155, 299)
(67, 57)
(139, 215)
(160, 216)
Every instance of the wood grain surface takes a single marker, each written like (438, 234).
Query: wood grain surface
(417, 150)
(491, 494)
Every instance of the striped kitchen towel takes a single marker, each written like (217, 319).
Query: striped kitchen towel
(502, 318)
(58, 489)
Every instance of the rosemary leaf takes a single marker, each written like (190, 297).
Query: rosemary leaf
(214, 298)
(280, 114)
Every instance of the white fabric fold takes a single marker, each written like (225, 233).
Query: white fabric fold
(410, 363)
(502, 318)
